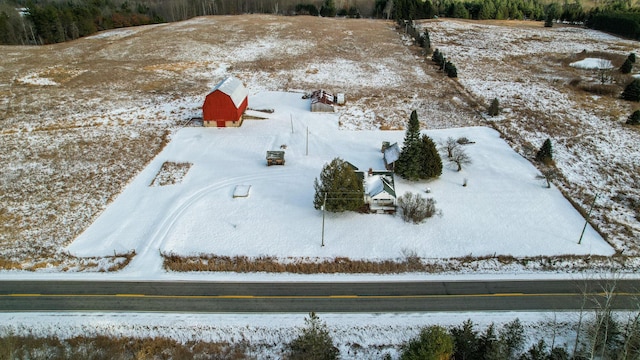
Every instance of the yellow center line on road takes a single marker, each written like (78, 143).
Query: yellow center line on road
(248, 297)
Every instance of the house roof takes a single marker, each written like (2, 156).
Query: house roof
(392, 153)
(353, 167)
(234, 89)
(378, 183)
(275, 154)
(322, 97)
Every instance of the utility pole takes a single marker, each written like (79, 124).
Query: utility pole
(586, 221)
(324, 204)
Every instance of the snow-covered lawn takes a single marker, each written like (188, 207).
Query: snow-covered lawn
(504, 209)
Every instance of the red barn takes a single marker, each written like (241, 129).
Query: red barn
(225, 104)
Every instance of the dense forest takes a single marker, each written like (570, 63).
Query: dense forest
(38, 22)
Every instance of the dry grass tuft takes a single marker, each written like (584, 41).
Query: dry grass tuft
(171, 173)
(410, 263)
(244, 264)
(106, 347)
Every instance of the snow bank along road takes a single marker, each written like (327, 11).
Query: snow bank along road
(414, 296)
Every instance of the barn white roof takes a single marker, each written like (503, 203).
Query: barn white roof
(234, 88)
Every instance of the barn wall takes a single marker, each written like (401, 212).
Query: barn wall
(218, 106)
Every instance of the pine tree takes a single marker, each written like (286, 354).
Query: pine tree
(634, 119)
(632, 58)
(437, 57)
(426, 40)
(314, 343)
(494, 108)
(451, 70)
(626, 67)
(328, 9)
(433, 343)
(488, 343)
(339, 188)
(487, 11)
(632, 91)
(512, 339)
(545, 153)
(466, 341)
(408, 165)
(429, 159)
(548, 21)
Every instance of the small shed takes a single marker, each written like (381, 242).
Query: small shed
(275, 157)
(322, 101)
(225, 104)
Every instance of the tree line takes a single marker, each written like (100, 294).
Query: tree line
(600, 333)
(39, 22)
(617, 16)
(31, 22)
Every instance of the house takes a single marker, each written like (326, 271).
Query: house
(225, 104)
(391, 154)
(322, 101)
(379, 191)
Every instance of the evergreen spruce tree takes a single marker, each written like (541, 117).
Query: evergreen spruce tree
(487, 10)
(426, 42)
(632, 58)
(437, 57)
(431, 163)
(488, 346)
(328, 9)
(626, 67)
(408, 164)
(494, 108)
(634, 119)
(314, 343)
(451, 70)
(511, 339)
(466, 341)
(548, 21)
(545, 153)
(632, 91)
(341, 187)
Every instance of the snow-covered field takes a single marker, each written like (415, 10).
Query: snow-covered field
(503, 210)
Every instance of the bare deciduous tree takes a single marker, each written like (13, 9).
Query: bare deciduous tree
(459, 157)
(604, 71)
(416, 209)
(449, 145)
(548, 174)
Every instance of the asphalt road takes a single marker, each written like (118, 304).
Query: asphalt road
(220, 297)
